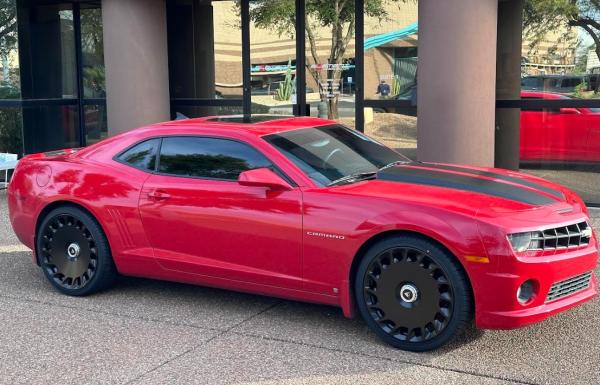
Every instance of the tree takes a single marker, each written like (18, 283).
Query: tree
(543, 16)
(336, 16)
(8, 35)
(8, 18)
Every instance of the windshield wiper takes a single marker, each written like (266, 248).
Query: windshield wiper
(365, 175)
(394, 164)
(354, 178)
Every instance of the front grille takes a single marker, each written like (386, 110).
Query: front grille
(569, 286)
(565, 237)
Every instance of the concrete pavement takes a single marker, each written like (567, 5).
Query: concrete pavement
(149, 332)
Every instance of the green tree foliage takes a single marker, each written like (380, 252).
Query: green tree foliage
(8, 19)
(10, 131)
(336, 16)
(8, 35)
(10, 118)
(543, 16)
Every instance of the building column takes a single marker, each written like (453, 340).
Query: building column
(508, 82)
(136, 60)
(204, 49)
(456, 81)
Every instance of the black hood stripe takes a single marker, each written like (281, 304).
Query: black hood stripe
(494, 175)
(463, 182)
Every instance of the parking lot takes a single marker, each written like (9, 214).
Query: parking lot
(148, 332)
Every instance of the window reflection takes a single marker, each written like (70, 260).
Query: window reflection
(142, 155)
(92, 47)
(9, 56)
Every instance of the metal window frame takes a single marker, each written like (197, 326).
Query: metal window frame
(359, 62)
(246, 63)
(547, 103)
(301, 108)
(80, 101)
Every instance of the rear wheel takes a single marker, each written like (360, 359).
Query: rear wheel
(412, 293)
(74, 253)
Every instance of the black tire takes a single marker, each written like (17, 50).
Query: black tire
(412, 293)
(74, 253)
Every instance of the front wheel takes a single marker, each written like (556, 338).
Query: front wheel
(74, 253)
(412, 293)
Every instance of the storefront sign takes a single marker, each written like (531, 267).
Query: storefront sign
(330, 88)
(331, 67)
(272, 68)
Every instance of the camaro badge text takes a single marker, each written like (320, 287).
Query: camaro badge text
(325, 235)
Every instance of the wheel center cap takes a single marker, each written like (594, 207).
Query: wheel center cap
(409, 293)
(73, 251)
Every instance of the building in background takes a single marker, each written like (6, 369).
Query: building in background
(593, 63)
(553, 54)
(460, 81)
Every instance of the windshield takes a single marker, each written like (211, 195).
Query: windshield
(327, 154)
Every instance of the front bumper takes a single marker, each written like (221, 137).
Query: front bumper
(495, 295)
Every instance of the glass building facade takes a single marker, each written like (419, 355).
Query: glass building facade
(356, 62)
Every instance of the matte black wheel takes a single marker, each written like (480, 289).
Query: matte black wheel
(74, 253)
(412, 293)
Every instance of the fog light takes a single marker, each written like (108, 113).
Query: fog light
(525, 292)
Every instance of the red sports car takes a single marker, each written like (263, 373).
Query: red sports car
(309, 210)
(561, 134)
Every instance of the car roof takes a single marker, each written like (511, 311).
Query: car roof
(543, 95)
(259, 125)
(554, 76)
(256, 124)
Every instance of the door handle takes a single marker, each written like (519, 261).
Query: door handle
(158, 195)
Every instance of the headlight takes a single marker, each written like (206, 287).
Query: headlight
(521, 241)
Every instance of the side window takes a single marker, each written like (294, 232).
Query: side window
(208, 157)
(571, 82)
(142, 155)
(531, 82)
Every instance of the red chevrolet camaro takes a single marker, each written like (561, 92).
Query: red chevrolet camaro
(306, 209)
(560, 134)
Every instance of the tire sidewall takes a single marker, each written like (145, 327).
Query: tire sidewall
(102, 276)
(461, 291)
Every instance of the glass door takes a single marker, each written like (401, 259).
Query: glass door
(331, 81)
(92, 73)
(273, 64)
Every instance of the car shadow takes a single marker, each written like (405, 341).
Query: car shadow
(288, 320)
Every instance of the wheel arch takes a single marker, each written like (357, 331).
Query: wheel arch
(62, 203)
(350, 302)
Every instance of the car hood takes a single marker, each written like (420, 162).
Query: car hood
(484, 192)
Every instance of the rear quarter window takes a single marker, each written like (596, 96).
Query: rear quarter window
(142, 155)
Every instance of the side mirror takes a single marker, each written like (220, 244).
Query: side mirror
(570, 111)
(263, 177)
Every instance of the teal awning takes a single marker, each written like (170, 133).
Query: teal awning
(384, 38)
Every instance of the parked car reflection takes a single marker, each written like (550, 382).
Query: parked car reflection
(559, 134)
